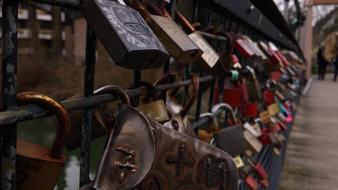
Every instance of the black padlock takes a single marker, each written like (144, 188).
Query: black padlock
(124, 34)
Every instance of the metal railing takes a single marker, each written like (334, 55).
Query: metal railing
(12, 114)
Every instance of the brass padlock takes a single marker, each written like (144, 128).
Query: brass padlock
(155, 109)
(176, 41)
(37, 166)
(130, 149)
(124, 34)
(210, 57)
(273, 109)
(265, 117)
(206, 135)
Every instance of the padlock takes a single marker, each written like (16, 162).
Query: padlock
(255, 146)
(265, 117)
(255, 48)
(232, 96)
(210, 57)
(273, 109)
(249, 43)
(207, 134)
(268, 96)
(251, 110)
(239, 162)
(251, 182)
(257, 167)
(274, 59)
(154, 109)
(218, 108)
(176, 41)
(241, 46)
(179, 120)
(125, 161)
(253, 128)
(265, 183)
(124, 34)
(37, 166)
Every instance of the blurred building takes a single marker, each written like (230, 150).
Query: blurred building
(37, 33)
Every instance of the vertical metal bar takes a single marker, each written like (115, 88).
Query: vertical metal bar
(89, 77)
(199, 101)
(211, 95)
(166, 69)
(9, 68)
(186, 88)
(136, 84)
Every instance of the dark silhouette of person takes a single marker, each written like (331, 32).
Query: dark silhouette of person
(335, 64)
(322, 63)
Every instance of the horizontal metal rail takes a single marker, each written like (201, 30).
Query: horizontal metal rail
(70, 4)
(30, 112)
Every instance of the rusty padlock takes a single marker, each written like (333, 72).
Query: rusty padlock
(176, 41)
(37, 166)
(124, 34)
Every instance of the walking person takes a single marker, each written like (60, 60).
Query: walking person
(322, 63)
(335, 64)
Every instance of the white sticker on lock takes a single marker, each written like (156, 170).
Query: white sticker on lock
(209, 55)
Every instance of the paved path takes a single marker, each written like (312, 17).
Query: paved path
(312, 154)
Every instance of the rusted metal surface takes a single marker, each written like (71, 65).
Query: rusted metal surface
(9, 82)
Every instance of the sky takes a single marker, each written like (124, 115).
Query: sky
(318, 11)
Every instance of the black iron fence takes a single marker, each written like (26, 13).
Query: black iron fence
(239, 17)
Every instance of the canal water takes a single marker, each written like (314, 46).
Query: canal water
(42, 132)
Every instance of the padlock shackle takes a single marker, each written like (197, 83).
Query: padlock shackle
(195, 81)
(212, 119)
(140, 7)
(185, 22)
(218, 108)
(170, 77)
(58, 110)
(151, 92)
(115, 91)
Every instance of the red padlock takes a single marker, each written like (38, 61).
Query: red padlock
(269, 97)
(264, 138)
(263, 174)
(283, 126)
(232, 96)
(275, 127)
(252, 110)
(251, 183)
(265, 183)
(276, 75)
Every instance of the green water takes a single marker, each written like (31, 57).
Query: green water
(42, 132)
